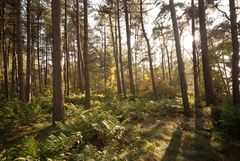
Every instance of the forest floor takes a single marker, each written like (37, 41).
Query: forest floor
(150, 130)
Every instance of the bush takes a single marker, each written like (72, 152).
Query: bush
(60, 145)
(75, 99)
(231, 120)
(228, 118)
(16, 113)
(166, 91)
(29, 148)
(98, 127)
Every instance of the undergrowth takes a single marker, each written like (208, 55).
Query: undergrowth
(115, 128)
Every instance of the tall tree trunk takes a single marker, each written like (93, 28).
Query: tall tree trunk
(66, 50)
(135, 58)
(183, 81)
(149, 50)
(75, 71)
(162, 63)
(87, 81)
(168, 57)
(128, 34)
(169, 67)
(116, 44)
(105, 59)
(115, 56)
(38, 55)
(5, 57)
(195, 64)
(29, 65)
(120, 50)
(46, 65)
(19, 52)
(235, 55)
(58, 84)
(209, 93)
(34, 83)
(79, 53)
(14, 65)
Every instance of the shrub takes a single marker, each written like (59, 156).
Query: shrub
(231, 120)
(166, 91)
(60, 145)
(228, 118)
(99, 127)
(75, 99)
(29, 148)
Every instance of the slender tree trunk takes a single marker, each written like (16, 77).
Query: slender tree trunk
(132, 87)
(120, 50)
(66, 50)
(14, 63)
(105, 59)
(135, 58)
(58, 84)
(87, 81)
(195, 64)
(168, 58)
(38, 56)
(209, 93)
(75, 71)
(79, 54)
(169, 67)
(19, 52)
(116, 43)
(29, 65)
(5, 57)
(183, 81)
(34, 83)
(46, 66)
(149, 51)
(115, 56)
(162, 59)
(235, 55)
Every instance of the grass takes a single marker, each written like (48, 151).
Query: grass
(153, 130)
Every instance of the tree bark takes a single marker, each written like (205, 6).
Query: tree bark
(5, 57)
(58, 84)
(209, 93)
(19, 52)
(195, 64)
(29, 65)
(120, 50)
(66, 50)
(128, 34)
(87, 81)
(235, 55)
(183, 81)
(14, 61)
(105, 59)
(168, 57)
(38, 55)
(149, 50)
(135, 58)
(46, 65)
(115, 56)
(79, 54)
